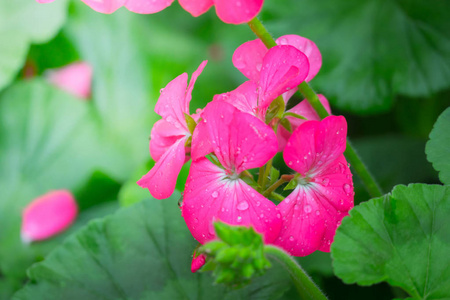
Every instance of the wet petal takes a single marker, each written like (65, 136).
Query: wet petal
(48, 215)
(308, 47)
(211, 196)
(163, 136)
(162, 178)
(196, 7)
(248, 58)
(244, 98)
(316, 144)
(146, 6)
(237, 11)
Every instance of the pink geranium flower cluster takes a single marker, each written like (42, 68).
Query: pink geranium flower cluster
(229, 11)
(233, 135)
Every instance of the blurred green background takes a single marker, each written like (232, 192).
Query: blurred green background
(386, 67)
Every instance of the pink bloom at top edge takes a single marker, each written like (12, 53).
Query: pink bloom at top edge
(324, 194)
(303, 109)
(75, 79)
(282, 68)
(48, 215)
(240, 141)
(229, 11)
(169, 135)
(137, 6)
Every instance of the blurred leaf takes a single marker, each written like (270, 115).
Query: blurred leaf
(149, 258)
(438, 147)
(372, 50)
(23, 22)
(402, 238)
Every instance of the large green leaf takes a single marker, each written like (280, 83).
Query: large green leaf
(23, 22)
(438, 147)
(402, 238)
(141, 252)
(372, 49)
(46, 143)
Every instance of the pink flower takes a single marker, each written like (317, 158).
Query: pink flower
(169, 136)
(229, 11)
(282, 68)
(75, 79)
(137, 6)
(197, 262)
(324, 194)
(48, 215)
(216, 191)
(303, 109)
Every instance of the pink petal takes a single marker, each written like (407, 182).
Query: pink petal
(312, 212)
(284, 68)
(197, 262)
(44, 1)
(304, 109)
(172, 104)
(48, 215)
(192, 83)
(241, 141)
(163, 136)
(75, 78)
(308, 47)
(162, 178)
(196, 7)
(105, 6)
(237, 11)
(248, 58)
(244, 98)
(147, 6)
(211, 196)
(314, 145)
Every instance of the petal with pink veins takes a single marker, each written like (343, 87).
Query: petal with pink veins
(248, 58)
(312, 212)
(316, 144)
(162, 178)
(48, 215)
(211, 196)
(196, 7)
(239, 140)
(244, 98)
(105, 6)
(308, 47)
(75, 78)
(237, 11)
(284, 68)
(163, 135)
(147, 6)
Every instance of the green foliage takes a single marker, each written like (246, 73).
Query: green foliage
(17, 32)
(237, 256)
(141, 252)
(402, 238)
(438, 147)
(372, 50)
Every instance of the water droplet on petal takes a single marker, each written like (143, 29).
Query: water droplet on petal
(239, 219)
(307, 208)
(291, 238)
(215, 194)
(325, 181)
(347, 188)
(317, 212)
(242, 205)
(195, 220)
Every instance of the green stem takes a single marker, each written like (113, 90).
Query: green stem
(371, 185)
(266, 173)
(305, 286)
(273, 187)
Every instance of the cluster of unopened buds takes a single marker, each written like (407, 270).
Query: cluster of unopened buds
(243, 130)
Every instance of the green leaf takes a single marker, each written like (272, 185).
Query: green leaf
(372, 50)
(23, 22)
(438, 147)
(141, 252)
(402, 238)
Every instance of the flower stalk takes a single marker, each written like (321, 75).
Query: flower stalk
(305, 89)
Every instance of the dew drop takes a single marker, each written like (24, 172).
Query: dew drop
(242, 205)
(283, 41)
(325, 181)
(258, 67)
(347, 188)
(291, 238)
(161, 90)
(318, 212)
(215, 194)
(195, 220)
(307, 208)
(239, 219)
(290, 163)
(278, 216)
(258, 203)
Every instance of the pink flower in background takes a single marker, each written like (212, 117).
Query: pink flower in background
(75, 79)
(48, 215)
(169, 136)
(324, 194)
(216, 192)
(282, 68)
(137, 6)
(303, 109)
(229, 11)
